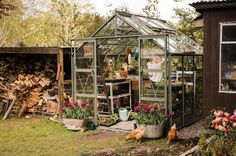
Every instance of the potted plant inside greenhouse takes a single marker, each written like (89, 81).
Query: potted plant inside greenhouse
(76, 114)
(151, 117)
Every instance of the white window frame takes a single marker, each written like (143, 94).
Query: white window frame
(220, 52)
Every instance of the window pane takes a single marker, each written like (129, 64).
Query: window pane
(229, 33)
(228, 67)
(84, 56)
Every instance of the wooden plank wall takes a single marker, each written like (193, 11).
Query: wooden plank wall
(211, 96)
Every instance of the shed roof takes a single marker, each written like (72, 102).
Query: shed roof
(213, 4)
(33, 50)
(124, 24)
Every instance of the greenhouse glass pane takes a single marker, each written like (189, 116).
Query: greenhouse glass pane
(85, 82)
(125, 29)
(84, 56)
(138, 25)
(108, 29)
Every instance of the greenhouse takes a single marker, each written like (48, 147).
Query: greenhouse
(132, 59)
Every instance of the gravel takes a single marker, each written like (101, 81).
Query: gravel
(190, 131)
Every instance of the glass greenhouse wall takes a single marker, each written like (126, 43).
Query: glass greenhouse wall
(142, 60)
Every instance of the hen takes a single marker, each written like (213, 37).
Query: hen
(172, 134)
(137, 134)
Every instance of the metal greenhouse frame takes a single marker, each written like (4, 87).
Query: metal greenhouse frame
(147, 37)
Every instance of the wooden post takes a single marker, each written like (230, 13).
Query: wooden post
(60, 80)
(9, 109)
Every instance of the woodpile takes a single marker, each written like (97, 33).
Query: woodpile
(28, 85)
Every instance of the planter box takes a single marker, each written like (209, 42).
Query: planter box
(152, 131)
(75, 124)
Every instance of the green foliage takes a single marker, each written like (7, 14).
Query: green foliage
(150, 114)
(151, 9)
(76, 110)
(207, 120)
(114, 117)
(221, 146)
(48, 23)
(186, 24)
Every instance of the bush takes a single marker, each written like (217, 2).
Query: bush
(223, 125)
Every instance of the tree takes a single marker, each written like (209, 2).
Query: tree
(150, 9)
(49, 23)
(122, 8)
(5, 8)
(72, 20)
(186, 24)
(10, 22)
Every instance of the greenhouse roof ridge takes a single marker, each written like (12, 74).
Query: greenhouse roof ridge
(130, 14)
(127, 25)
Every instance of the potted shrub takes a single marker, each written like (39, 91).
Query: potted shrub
(75, 115)
(152, 118)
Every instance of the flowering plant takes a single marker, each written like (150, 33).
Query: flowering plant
(224, 122)
(151, 114)
(75, 110)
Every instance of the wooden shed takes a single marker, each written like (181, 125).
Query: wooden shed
(219, 63)
(32, 70)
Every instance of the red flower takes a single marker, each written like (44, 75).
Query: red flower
(155, 106)
(83, 104)
(171, 115)
(63, 108)
(87, 105)
(162, 109)
(145, 110)
(70, 105)
(152, 110)
(136, 109)
(76, 103)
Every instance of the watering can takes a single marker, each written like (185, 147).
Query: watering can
(124, 114)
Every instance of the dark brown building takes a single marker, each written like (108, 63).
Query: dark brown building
(219, 76)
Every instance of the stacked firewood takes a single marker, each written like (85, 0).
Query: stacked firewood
(28, 84)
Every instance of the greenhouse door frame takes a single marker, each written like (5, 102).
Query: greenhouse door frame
(164, 70)
(92, 71)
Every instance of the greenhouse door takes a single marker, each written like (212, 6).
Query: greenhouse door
(152, 69)
(84, 74)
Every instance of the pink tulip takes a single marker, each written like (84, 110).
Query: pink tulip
(227, 130)
(218, 119)
(232, 118)
(215, 112)
(234, 125)
(221, 128)
(226, 114)
(216, 127)
(234, 112)
(218, 114)
(213, 122)
(225, 120)
(224, 124)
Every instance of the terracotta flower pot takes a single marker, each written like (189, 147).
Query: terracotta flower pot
(75, 124)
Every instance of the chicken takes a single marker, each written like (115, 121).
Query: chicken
(137, 134)
(172, 134)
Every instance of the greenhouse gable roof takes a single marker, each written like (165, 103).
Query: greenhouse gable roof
(124, 24)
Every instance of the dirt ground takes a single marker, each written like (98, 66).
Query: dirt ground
(144, 148)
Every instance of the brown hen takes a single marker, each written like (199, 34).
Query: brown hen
(172, 134)
(137, 134)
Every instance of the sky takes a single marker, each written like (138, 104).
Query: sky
(165, 7)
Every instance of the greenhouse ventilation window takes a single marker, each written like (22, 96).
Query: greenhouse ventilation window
(227, 58)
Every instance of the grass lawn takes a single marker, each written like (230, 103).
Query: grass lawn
(40, 136)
